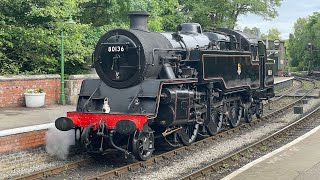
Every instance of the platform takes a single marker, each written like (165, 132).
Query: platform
(21, 117)
(278, 80)
(297, 160)
(282, 83)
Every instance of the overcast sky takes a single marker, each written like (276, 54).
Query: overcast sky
(288, 14)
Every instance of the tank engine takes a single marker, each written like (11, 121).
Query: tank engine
(173, 85)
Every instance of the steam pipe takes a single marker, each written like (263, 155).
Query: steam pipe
(167, 72)
(115, 146)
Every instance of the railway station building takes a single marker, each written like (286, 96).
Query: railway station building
(277, 51)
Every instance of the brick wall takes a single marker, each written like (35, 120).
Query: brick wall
(22, 141)
(13, 87)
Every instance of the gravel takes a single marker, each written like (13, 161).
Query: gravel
(28, 161)
(190, 161)
(274, 105)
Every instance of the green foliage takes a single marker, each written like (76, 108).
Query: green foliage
(164, 15)
(30, 37)
(30, 30)
(35, 90)
(104, 12)
(139, 5)
(272, 34)
(306, 30)
(209, 13)
(222, 13)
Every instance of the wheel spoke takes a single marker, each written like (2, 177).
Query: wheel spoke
(188, 133)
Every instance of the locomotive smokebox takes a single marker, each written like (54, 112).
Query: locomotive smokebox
(138, 20)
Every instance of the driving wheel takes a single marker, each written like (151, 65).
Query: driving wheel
(143, 145)
(247, 113)
(234, 115)
(215, 123)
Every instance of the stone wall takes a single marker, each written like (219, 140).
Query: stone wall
(73, 85)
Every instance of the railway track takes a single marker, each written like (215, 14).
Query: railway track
(281, 100)
(289, 131)
(56, 170)
(118, 172)
(285, 93)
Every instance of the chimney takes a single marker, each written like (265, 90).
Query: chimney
(138, 20)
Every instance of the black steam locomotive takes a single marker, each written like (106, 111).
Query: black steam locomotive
(170, 85)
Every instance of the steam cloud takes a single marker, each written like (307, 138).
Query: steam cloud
(58, 142)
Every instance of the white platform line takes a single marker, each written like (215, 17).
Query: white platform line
(25, 129)
(253, 163)
(283, 80)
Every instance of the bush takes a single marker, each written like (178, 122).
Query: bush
(294, 69)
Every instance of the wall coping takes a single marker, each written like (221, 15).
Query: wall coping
(47, 76)
(83, 76)
(14, 131)
(29, 77)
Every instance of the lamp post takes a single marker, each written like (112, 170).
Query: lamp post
(62, 94)
(310, 59)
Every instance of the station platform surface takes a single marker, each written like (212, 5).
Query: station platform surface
(299, 160)
(22, 117)
(278, 80)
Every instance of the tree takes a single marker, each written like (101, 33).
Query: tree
(29, 37)
(254, 31)
(264, 8)
(272, 34)
(30, 30)
(164, 15)
(305, 32)
(104, 12)
(222, 13)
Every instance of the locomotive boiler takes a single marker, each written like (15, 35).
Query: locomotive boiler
(171, 85)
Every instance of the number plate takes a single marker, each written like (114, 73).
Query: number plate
(117, 48)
